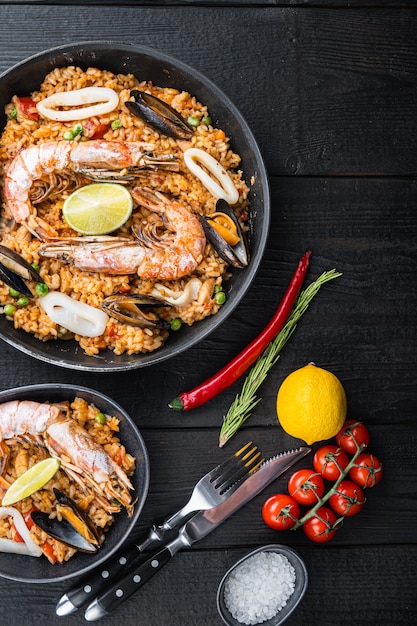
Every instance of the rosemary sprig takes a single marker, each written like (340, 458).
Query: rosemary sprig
(243, 405)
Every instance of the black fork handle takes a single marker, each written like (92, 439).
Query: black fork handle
(96, 581)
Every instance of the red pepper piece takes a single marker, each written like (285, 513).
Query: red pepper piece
(96, 130)
(229, 374)
(27, 106)
(48, 549)
(29, 523)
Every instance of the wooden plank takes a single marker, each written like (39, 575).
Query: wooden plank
(355, 73)
(227, 3)
(177, 595)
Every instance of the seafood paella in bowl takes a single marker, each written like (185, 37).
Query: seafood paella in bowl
(134, 207)
(74, 476)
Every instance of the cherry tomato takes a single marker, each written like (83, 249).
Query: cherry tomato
(352, 435)
(306, 486)
(367, 471)
(348, 499)
(322, 526)
(280, 511)
(330, 461)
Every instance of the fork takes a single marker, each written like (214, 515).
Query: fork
(210, 491)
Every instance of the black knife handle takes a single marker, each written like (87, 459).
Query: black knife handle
(98, 579)
(122, 589)
(117, 565)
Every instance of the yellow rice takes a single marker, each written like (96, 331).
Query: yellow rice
(90, 287)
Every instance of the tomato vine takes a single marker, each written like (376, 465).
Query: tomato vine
(349, 476)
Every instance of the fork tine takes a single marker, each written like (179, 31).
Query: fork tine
(239, 468)
(230, 461)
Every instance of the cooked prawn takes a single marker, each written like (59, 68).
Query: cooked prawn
(65, 438)
(95, 159)
(165, 259)
(21, 462)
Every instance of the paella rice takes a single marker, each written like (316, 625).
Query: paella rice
(25, 128)
(24, 453)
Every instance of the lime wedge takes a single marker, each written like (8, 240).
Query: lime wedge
(98, 209)
(31, 480)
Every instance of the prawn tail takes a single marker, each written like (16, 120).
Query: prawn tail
(41, 229)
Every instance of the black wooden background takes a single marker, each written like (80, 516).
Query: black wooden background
(330, 92)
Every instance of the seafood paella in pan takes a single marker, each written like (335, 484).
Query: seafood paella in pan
(74, 476)
(167, 264)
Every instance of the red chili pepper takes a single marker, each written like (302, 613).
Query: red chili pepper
(28, 107)
(225, 377)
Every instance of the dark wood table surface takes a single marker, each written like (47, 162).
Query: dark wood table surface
(330, 91)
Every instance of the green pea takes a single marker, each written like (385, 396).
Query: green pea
(176, 323)
(193, 121)
(14, 292)
(220, 297)
(100, 418)
(207, 120)
(9, 309)
(217, 288)
(13, 113)
(35, 266)
(22, 301)
(116, 124)
(77, 130)
(41, 289)
(68, 135)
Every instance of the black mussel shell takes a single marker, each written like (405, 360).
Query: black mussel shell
(242, 249)
(75, 528)
(238, 255)
(76, 517)
(62, 531)
(14, 270)
(135, 309)
(159, 115)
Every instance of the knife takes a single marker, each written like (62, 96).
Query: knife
(200, 525)
(129, 554)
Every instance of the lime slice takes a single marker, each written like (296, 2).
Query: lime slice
(31, 480)
(98, 209)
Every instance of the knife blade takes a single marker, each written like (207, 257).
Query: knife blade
(200, 525)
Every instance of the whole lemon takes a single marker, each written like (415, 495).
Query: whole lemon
(311, 404)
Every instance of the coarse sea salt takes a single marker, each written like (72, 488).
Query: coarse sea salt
(257, 589)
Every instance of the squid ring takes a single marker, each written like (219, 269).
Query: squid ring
(219, 184)
(101, 99)
(78, 317)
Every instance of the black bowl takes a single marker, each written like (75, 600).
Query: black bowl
(39, 570)
(300, 586)
(167, 72)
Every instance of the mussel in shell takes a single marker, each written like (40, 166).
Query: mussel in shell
(14, 271)
(75, 529)
(159, 115)
(135, 309)
(229, 242)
